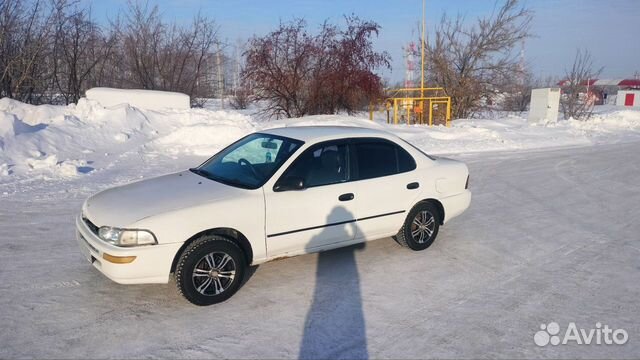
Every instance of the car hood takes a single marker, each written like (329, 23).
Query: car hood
(124, 205)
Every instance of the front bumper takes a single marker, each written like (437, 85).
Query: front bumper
(152, 263)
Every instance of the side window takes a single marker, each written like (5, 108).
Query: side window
(405, 161)
(381, 158)
(321, 165)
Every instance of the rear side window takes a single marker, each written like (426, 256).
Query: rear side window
(377, 158)
(405, 161)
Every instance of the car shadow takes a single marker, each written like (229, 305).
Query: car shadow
(335, 325)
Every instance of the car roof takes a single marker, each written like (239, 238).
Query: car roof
(321, 132)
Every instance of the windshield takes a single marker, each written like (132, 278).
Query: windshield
(250, 161)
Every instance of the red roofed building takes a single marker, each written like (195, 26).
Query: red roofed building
(622, 84)
(599, 90)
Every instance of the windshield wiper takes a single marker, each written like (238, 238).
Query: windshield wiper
(233, 182)
(202, 173)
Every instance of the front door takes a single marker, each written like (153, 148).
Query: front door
(319, 216)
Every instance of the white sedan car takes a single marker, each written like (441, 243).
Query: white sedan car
(273, 194)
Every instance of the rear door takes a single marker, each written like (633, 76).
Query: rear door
(386, 181)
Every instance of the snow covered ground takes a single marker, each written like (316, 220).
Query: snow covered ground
(551, 235)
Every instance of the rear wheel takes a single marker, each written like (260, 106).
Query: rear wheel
(210, 270)
(420, 228)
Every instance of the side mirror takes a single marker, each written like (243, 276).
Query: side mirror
(289, 183)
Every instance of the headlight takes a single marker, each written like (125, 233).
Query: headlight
(125, 237)
(109, 234)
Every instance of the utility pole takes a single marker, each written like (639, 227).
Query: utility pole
(236, 74)
(521, 65)
(422, 55)
(220, 72)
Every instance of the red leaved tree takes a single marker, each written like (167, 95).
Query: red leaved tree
(297, 73)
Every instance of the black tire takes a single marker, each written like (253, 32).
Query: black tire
(193, 270)
(405, 236)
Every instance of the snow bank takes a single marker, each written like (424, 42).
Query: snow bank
(201, 132)
(68, 141)
(145, 99)
(59, 142)
(31, 114)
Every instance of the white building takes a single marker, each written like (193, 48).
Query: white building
(628, 98)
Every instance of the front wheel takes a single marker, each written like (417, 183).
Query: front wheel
(420, 228)
(210, 270)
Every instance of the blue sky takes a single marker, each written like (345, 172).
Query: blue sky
(610, 29)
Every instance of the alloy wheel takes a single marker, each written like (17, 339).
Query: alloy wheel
(423, 226)
(214, 273)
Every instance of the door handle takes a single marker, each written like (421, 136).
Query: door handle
(413, 185)
(346, 197)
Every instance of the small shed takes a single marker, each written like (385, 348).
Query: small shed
(628, 98)
(544, 105)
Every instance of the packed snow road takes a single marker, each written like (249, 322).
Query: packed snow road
(551, 236)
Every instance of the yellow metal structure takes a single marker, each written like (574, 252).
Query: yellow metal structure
(420, 101)
(411, 105)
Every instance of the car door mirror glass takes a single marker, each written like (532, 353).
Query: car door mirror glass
(290, 183)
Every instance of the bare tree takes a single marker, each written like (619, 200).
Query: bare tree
(576, 100)
(242, 95)
(25, 33)
(205, 40)
(52, 51)
(241, 99)
(471, 62)
(517, 91)
(79, 47)
(162, 56)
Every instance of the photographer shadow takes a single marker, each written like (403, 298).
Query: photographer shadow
(335, 325)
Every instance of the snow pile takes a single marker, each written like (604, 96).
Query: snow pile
(614, 120)
(144, 99)
(58, 142)
(66, 141)
(204, 132)
(30, 114)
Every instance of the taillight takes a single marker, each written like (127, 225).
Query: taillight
(466, 186)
